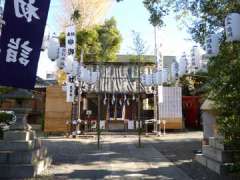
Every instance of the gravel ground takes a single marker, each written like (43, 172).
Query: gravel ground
(119, 158)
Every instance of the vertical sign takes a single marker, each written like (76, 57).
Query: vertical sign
(160, 94)
(71, 41)
(21, 41)
(70, 92)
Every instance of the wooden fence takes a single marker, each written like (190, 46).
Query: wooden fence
(57, 111)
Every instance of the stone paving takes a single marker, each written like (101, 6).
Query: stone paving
(119, 158)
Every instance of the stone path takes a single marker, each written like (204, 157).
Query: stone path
(119, 158)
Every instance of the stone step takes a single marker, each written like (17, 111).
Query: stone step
(211, 164)
(218, 154)
(20, 145)
(22, 157)
(219, 144)
(19, 135)
(23, 170)
(16, 145)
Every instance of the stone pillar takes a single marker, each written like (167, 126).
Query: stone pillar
(21, 152)
(215, 155)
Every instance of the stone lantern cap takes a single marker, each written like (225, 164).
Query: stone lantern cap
(208, 105)
(18, 94)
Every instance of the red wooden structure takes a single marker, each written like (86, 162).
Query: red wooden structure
(191, 111)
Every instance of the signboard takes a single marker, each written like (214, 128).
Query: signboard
(171, 106)
(71, 40)
(21, 41)
(160, 94)
(70, 92)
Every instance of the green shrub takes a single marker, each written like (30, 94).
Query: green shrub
(6, 119)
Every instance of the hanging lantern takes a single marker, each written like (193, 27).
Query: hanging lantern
(86, 77)
(75, 67)
(143, 79)
(157, 78)
(183, 65)
(232, 27)
(94, 77)
(212, 45)
(61, 77)
(69, 64)
(164, 75)
(149, 80)
(84, 74)
(53, 48)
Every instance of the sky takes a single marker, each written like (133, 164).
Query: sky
(130, 15)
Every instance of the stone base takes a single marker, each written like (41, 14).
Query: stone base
(211, 164)
(23, 170)
(22, 155)
(216, 156)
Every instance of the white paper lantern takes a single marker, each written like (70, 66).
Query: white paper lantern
(232, 27)
(143, 79)
(93, 77)
(80, 72)
(53, 48)
(69, 65)
(85, 76)
(158, 78)
(165, 75)
(174, 70)
(212, 45)
(183, 65)
(75, 68)
(149, 80)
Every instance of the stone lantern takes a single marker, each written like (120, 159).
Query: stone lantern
(21, 152)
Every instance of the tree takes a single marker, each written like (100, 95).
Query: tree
(84, 13)
(139, 48)
(223, 84)
(110, 40)
(194, 84)
(99, 43)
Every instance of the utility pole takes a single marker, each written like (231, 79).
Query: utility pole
(155, 93)
(99, 107)
(80, 93)
(139, 105)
